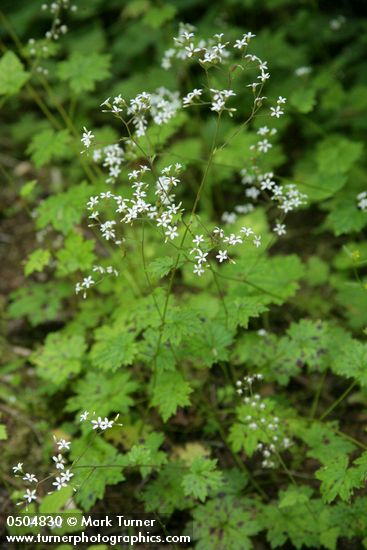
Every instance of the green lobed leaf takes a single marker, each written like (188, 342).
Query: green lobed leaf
(12, 74)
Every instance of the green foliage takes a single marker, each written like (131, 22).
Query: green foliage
(64, 210)
(165, 494)
(82, 71)
(49, 145)
(105, 395)
(60, 358)
(94, 470)
(39, 303)
(77, 254)
(225, 523)
(12, 74)
(114, 348)
(37, 261)
(171, 356)
(202, 479)
(171, 390)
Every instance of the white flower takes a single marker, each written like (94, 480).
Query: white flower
(252, 192)
(93, 201)
(31, 478)
(188, 99)
(218, 231)
(198, 270)
(257, 241)
(240, 44)
(84, 416)
(171, 232)
(190, 49)
(63, 444)
(222, 255)
(233, 239)
(264, 145)
(201, 256)
(59, 461)
(267, 183)
(279, 229)
(103, 424)
(229, 217)
(276, 111)
(18, 467)
(198, 239)
(30, 495)
(247, 231)
(281, 100)
(87, 282)
(66, 475)
(219, 99)
(263, 131)
(59, 483)
(87, 138)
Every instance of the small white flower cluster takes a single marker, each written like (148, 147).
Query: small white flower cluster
(186, 46)
(207, 52)
(247, 382)
(88, 282)
(287, 196)
(267, 451)
(164, 211)
(39, 49)
(202, 247)
(87, 138)
(259, 421)
(212, 52)
(111, 157)
(63, 474)
(159, 106)
(218, 99)
(277, 111)
(57, 8)
(362, 201)
(102, 424)
(264, 145)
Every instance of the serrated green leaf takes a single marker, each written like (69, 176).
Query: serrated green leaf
(337, 479)
(83, 71)
(77, 254)
(63, 210)
(114, 348)
(171, 391)
(202, 478)
(12, 74)
(225, 523)
(60, 358)
(36, 261)
(49, 145)
(303, 99)
(105, 395)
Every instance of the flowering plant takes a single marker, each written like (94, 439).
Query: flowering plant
(189, 334)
